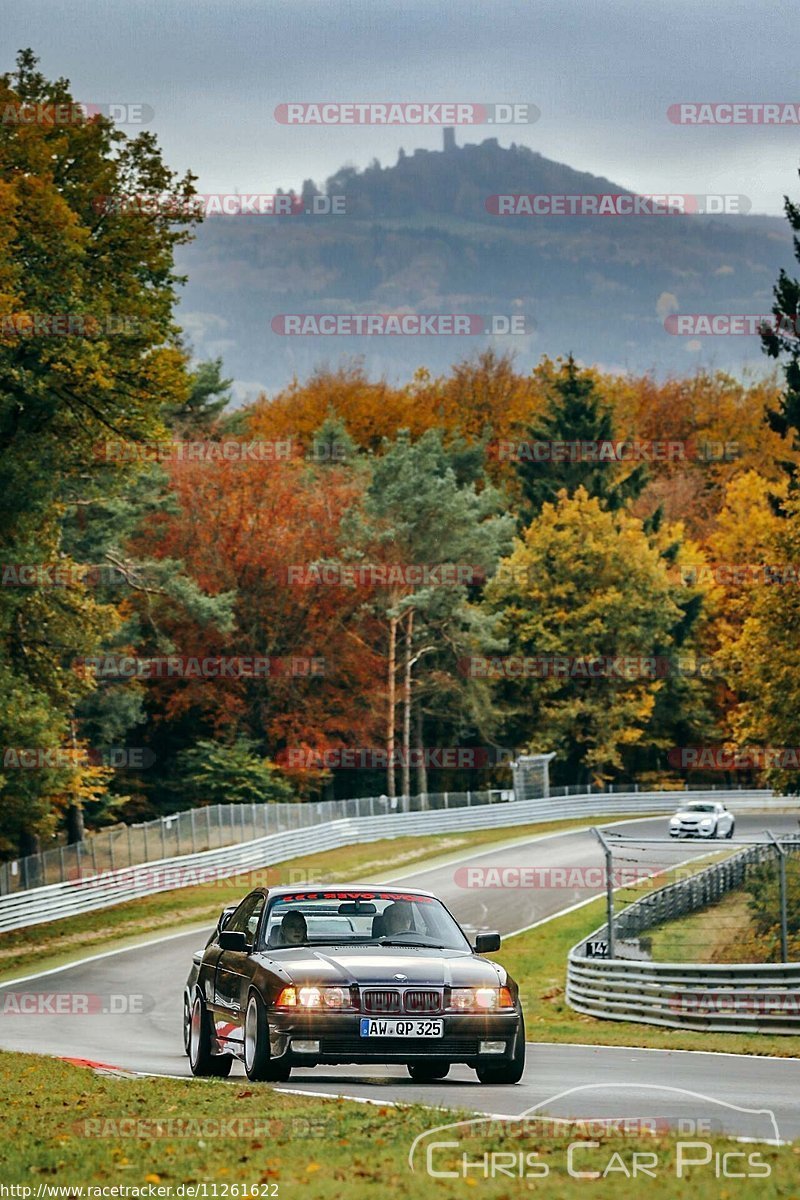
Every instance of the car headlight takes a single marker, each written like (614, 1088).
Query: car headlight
(675, 820)
(706, 821)
(311, 997)
(482, 999)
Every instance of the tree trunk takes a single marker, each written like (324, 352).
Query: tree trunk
(75, 827)
(74, 813)
(391, 702)
(422, 770)
(29, 843)
(407, 704)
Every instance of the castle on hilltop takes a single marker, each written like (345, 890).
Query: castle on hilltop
(449, 138)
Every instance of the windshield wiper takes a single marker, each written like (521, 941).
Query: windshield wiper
(403, 940)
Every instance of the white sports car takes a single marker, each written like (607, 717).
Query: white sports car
(702, 818)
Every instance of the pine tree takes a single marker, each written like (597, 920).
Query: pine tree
(782, 341)
(577, 413)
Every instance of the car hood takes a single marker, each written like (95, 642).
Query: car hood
(370, 965)
(686, 814)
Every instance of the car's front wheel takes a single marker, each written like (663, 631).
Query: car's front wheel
(201, 1059)
(260, 1068)
(729, 834)
(187, 1024)
(506, 1072)
(427, 1072)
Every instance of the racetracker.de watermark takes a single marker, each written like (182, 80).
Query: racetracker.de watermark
(25, 326)
(737, 574)
(401, 325)
(737, 112)
(371, 575)
(74, 1004)
(731, 324)
(766, 1003)
(58, 575)
(573, 878)
(406, 112)
(210, 451)
(224, 204)
(649, 450)
(374, 758)
(55, 115)
(615, 204)
(199, 666)
(230, 1129)
(735, 758)
(608, 666)
(50, 758)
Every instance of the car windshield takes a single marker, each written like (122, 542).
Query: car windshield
(702, 808)
(374, 918)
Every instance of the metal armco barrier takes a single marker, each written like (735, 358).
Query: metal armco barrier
(49, 903)
(725, 997)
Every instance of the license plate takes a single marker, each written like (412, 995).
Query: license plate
(401, 1029)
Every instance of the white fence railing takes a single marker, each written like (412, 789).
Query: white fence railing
(734, 998)
(721, 997)
(106, 888)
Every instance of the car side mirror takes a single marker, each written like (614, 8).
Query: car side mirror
(487, 943)
(225, 916)
(231, 939)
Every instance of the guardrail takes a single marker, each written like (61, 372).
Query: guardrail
(732, 997)
(106, 888)
(218, 825)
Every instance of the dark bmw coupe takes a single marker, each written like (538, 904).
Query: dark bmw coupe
(294, 977)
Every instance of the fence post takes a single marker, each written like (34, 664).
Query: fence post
(62, 864)
(609, 888)
(782, 885)
(130, 848)
(192, 812)
(163, 839)
(111, 850)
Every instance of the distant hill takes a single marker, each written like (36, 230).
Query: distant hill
(417, 236)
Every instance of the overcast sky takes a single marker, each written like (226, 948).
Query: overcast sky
(602, 72)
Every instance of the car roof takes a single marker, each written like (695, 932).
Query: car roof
(340, 890)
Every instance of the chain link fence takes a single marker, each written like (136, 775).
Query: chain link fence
(217, 825)
(606, 978)
(700, 890)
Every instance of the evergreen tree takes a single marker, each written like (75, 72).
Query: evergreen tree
(576, 413)
(782, 340)
(208, 396)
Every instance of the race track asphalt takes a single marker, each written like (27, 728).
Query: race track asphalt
(600, 1081)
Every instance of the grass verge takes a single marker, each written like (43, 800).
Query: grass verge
(65, 1127)
(713, 935)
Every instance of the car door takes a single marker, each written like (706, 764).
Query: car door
(234, 969)
(724, 820)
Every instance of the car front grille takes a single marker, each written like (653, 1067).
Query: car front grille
(422, 1000)
(395, 1000)
(385, 1000)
